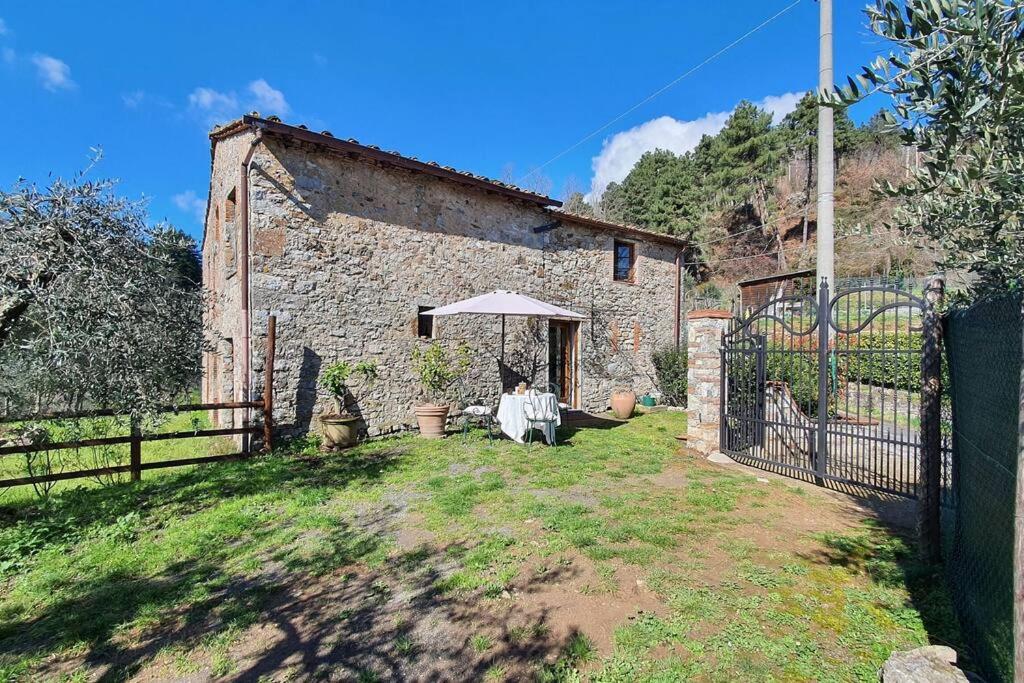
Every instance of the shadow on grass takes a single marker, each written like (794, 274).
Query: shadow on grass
(387, 623)
(579, 421)
(889, 556)
(329, 603)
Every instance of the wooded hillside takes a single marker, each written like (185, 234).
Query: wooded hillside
(746, 197)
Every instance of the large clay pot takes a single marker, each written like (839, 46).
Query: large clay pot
(340, 431)
(432, 420)
(623, 403)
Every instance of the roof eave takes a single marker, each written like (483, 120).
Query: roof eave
(630, 230)
(277, 128)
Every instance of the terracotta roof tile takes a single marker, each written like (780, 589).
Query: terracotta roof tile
(274, 126)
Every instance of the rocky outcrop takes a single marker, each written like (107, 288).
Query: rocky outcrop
(930, 664)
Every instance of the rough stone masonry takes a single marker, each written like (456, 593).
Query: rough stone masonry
(345, 248)
(703, 378)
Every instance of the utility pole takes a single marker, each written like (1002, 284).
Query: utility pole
(826, 160)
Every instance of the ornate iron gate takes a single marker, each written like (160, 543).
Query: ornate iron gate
(828, 387)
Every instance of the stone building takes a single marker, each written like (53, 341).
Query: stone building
(348, 244)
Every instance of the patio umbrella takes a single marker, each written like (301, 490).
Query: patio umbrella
(502, 302)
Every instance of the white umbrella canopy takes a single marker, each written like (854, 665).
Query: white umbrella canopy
(503, 302)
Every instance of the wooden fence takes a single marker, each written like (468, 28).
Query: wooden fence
(135, 438)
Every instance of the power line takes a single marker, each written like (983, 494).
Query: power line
(660, 90)
(762, 226)
(774, 252)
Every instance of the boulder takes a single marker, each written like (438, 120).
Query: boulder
(930, 664)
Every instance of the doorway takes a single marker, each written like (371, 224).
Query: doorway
(562, 359)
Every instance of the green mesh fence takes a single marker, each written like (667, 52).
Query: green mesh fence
(983, 346)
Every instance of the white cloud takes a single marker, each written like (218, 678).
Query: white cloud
(133, 99)
(215, 106)
(8, 55)
(621, 151)
(208, 99)
(319, 59)
(780, 105)
(55, 74)
(188, 202)
(267, 99)
(3, 28)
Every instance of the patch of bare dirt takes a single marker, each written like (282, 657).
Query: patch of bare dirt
(579, 600)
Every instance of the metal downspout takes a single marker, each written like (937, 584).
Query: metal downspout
(243, 267)
(679, 294)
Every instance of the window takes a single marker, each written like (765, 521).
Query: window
(229, 206)
(229, 231)
(424, 323)
(625, 261)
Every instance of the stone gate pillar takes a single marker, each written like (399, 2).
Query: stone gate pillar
(703, 377)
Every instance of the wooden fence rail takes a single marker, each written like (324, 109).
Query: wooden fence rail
(135, 438)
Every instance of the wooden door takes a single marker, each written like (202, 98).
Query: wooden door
(562, 359)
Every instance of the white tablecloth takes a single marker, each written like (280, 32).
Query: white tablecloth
(512, 417)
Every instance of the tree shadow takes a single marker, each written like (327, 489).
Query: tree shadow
(305, 392)
(305, 615)
(887, 554)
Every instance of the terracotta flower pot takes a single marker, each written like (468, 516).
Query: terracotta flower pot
(340, 431)
(623, 403)
(432, 420)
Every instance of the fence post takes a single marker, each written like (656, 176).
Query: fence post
(824, 316)
(135, 449)
(929, 482)
(268, 385)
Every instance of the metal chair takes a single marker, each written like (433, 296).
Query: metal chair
(557, 391)
(475, 410)
(538, 412)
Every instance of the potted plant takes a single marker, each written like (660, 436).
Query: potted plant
(340, 429)
(623, 402)
(437, 371)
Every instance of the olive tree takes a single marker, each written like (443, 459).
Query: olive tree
(957, 86)
(96, 307)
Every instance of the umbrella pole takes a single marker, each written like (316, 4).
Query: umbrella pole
(502, 337)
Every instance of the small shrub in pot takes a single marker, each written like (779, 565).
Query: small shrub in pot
(340, 428)
(437, 370)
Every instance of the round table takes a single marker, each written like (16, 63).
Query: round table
(512, 416)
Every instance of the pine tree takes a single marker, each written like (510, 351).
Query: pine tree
(578, 205)
(747, 153)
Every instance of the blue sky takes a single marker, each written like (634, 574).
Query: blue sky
(495, 88)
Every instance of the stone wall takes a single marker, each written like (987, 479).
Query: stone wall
(344, 251)
(222, 364)
(703, 392)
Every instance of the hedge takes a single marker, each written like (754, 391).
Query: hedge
(893, 360)
(885, 369)
(670, 374)
(797, 368)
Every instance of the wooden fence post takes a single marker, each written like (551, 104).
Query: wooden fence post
(268, 385)
(1018, 551)
(135, 457)
(929, 482)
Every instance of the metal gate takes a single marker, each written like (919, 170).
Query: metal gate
(828, 387)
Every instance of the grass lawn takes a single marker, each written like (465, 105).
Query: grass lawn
(15, 466)
(612, 557)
